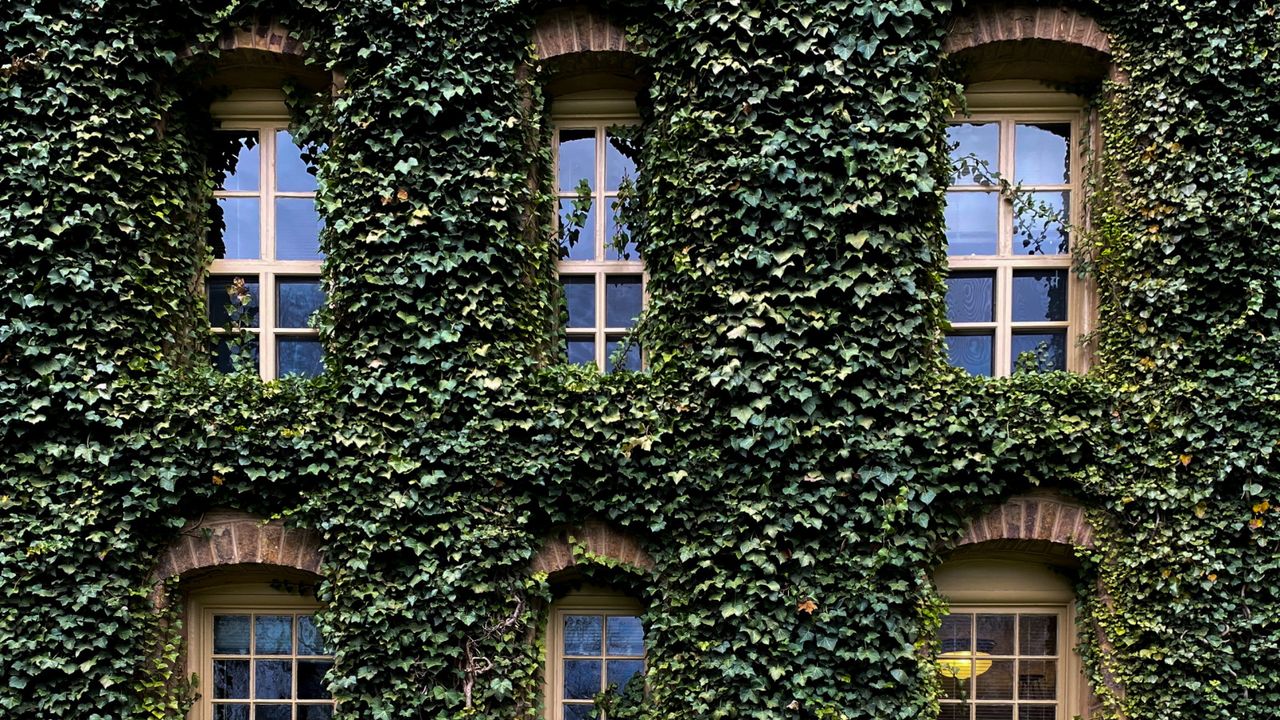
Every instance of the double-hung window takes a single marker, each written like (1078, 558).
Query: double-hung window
(595, 644)
(997, 663)
(600, 269)
(258, 655)
(1012, 212)
(264, 283)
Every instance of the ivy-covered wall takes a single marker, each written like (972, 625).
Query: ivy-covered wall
(798, 438)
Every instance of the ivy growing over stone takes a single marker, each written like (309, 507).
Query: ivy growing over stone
(798, 455)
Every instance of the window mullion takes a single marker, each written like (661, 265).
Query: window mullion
(267, 323)
(1004, 317)
(601, 355)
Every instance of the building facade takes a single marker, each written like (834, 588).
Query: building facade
(700, 360)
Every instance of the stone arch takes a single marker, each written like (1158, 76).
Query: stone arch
(260, 52)
(998, 41)
(576, 30)
(567, 549)
(264, 35)
(1028, 522)
(579, 48)
(222, 538)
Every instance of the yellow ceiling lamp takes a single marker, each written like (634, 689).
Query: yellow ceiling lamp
(957, 661)
(961, 664)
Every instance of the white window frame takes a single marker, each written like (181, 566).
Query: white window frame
(1010, 103)
(263, 111)
(236, 599)
(983, 584)
(587, 601)
(597, 110)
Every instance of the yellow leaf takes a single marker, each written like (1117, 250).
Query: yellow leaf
(1184, 459)
(807, 606)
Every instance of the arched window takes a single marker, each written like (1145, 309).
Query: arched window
(1006, 644)
(595, 644)
(264, 283)
(594, 139)
(1014, 210)
(256, 652)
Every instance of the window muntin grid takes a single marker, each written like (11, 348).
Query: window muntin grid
(591, 651)
(265, 664)
(1011, 289)
(265, 278)
(1003, 664)
(603, 284)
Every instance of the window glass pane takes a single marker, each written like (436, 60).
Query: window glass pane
(273, 712)
(971, 352)
(1049, 348)
(296, 301)
(582, 634)
(311, 685)
(273, 634)
(996, 683)
(580, 298)
(618, 244)
(299, 356)
(618, 672)
(240, 238)
(581, 679)
(235, 354)
(577, 159)
(233, 301)
(1039, 295)
(231, 712)
(230, 634)
(315, 712)
(628, 361)
(626, 635)
(618, 165)
(956, 675)
(954, 711)
(298, 228)
(243, 175)
(1040, 223)
(273, 679)
(971, 219)
(582, 350)
(956, 633)
(1038, 635)
(310, 641)
(1037, 679)
(293, 173)
(577, 229)
(623, 298)
(995, 634)
(1037, 712)
(578, 711)
(1042, 153)
(975, 152)
(230, 679)
(993, 712)
(970, 296)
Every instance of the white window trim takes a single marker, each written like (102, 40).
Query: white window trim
(229, 599)
(598, 110)
(265, 112)
(588, 601)
(1002, 585)
(1010, 103)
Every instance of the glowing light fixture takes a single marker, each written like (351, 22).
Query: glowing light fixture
(956, 661)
